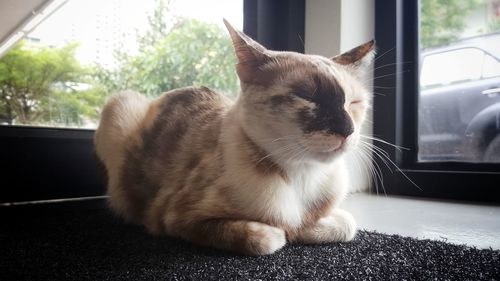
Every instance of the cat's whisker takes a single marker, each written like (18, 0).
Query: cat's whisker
(375, 171)
(368, 172)
(386, 75)
(376, 168)
(300, 157)
(272, 140)
(301, 40)
(383, 54)
(371, 148)
(291, 155)
(287, 137)
(285, 155)
(380, 150)
(315, 90)
(378, 94)
(384, 154)
(286, 152)
(380, 153)
(280, 150)
(384, 142)
(390, 64)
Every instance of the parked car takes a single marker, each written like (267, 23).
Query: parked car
(459, 105)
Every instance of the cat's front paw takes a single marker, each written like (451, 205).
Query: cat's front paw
(345, 225)
(263, 239)
(339, 226)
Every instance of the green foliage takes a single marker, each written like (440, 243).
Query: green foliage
(494, 26)
(160, 23)
(48, 86)
(33, 85)
(192, 53)
(442, 20)
(71, 107)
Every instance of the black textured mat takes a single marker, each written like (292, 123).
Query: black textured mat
(93, 245)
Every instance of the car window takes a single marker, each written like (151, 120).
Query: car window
(491, 67)
(451, 67)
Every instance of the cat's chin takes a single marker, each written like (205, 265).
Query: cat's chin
(326, 156)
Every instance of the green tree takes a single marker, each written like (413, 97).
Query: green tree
(442, 20)
(74, 107)
(39, 85)
(160, 22)
(173, 53)
(48, 86)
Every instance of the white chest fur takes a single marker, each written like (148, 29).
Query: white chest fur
(287, 202)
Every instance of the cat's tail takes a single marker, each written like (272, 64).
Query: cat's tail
(119, 129)
(120, 120)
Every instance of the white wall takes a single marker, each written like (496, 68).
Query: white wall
(334, 26)
(322, 32)
(357, 23)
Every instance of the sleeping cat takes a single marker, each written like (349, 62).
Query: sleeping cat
(246, 176)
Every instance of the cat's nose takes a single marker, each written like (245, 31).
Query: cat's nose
(342, 125)
(344, 131)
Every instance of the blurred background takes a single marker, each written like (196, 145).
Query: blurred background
(58, 69)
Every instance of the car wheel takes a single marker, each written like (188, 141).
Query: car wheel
(492, 152)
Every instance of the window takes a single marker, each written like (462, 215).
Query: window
(455, 117)
(86, 50)
(451, 106)
(40, 162)
(437, 82)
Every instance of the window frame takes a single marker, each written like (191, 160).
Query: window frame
(60, 163)
(395, 116)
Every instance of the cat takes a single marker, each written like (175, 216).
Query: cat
(245, 176)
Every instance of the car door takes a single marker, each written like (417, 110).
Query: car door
(482, 93)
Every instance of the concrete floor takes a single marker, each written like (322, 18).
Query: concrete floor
(453, 222)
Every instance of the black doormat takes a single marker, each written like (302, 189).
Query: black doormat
(93, 245)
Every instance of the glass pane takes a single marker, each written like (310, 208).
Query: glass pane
(63, 68)
(459, 101)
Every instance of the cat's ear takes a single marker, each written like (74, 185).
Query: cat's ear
(358, 57)
(250, 54)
